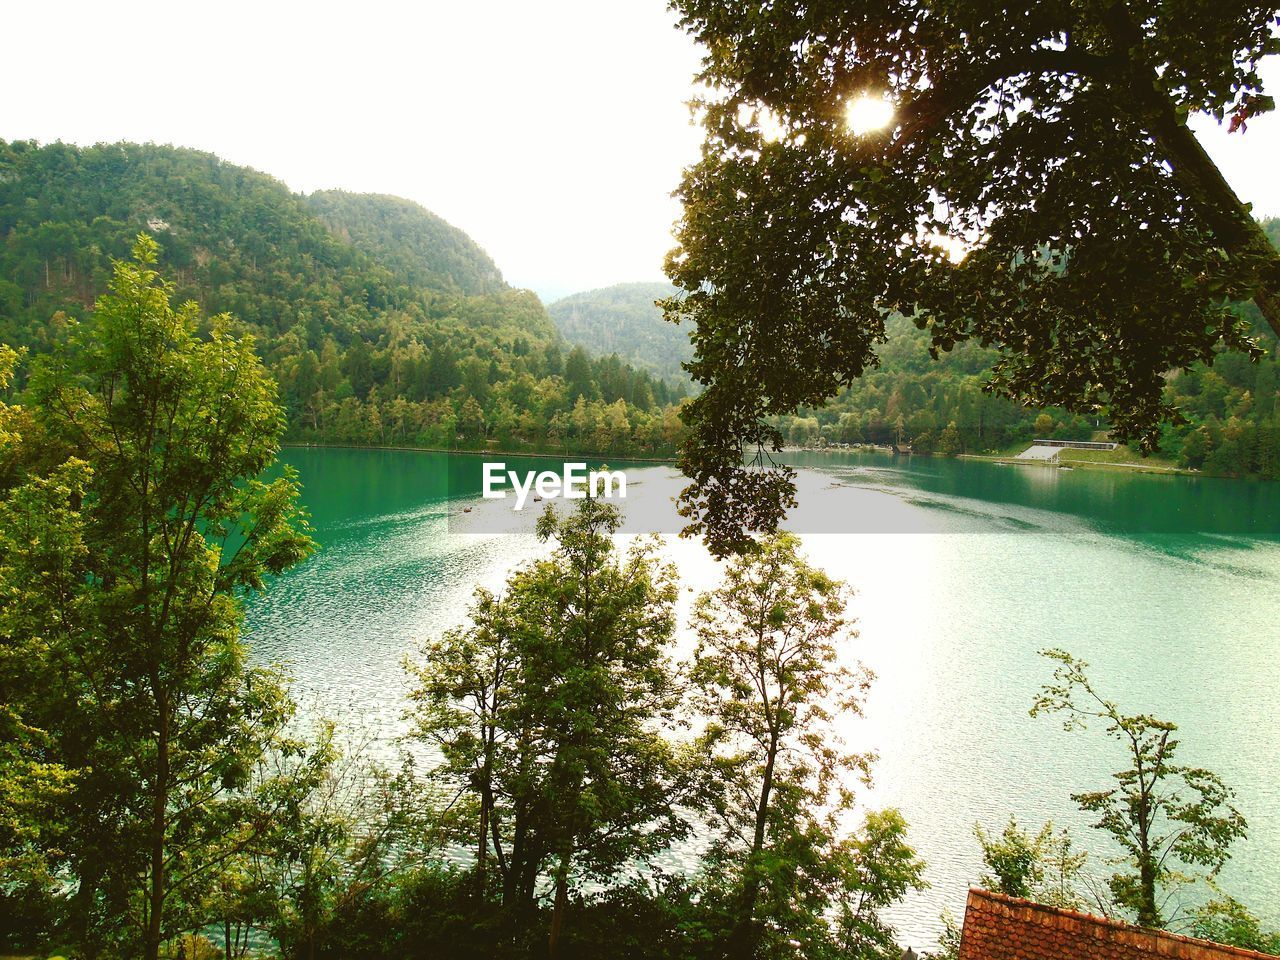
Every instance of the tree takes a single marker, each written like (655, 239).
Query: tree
(471, 419)
(341, 839)
(950, 444)
(769, 679)
(33, 784)
(577, 375)
(1227, 920)
(548, 711)
(357, 364)
(1169, 819)
(1037, 189)
(40, 539)
(465, 685)
(1196, 448)
(132, 554)
(1042, 867)
(876, 868)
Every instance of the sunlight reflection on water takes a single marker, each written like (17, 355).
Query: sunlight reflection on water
(950, 621)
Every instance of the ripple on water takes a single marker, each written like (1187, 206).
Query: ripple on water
(950, 619)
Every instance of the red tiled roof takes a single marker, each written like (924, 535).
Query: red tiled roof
(997, 927)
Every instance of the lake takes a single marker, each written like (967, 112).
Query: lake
(963, 570)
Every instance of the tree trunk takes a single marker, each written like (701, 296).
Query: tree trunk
(1148, 912)
(155, 900)
(482, 843)
(89, 872)
(1228, 216)
(743, 938)
(561, 903)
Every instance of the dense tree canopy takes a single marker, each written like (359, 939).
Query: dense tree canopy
(547, 708)
(382, 323)
(558, 714)
(413, 242)
(625, 319)
(1047, 141)
(135, 525)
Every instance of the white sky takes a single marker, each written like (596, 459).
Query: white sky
(552, 131)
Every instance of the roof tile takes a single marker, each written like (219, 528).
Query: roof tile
(997, 927)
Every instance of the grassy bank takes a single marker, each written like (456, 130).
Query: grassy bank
(1121, 458)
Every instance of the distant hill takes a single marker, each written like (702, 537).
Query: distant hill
(380, 321)
(623, 319)
(240, 241)
(410, 240)
(1231, 411)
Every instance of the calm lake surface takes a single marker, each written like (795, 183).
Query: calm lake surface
(1166, 584)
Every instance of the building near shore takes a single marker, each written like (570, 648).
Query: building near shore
(997, 927)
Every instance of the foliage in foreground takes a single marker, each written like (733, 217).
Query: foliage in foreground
(1170, 828)
(158, 795)
(134, 525)
(801, 232)
(154, 782)
(1174, 823)
(559, 716)
(547, 711)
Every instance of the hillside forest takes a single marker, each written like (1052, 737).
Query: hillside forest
(381, 323)
(1231, 423)
(623, 319)
(938, 405)
(384, 325)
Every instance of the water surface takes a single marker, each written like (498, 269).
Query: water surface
(1167, 585)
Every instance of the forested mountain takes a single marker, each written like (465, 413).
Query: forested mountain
(1232, 421)
(382, 323)
(624, 319)
(412, 241)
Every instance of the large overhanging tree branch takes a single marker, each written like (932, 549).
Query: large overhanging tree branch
(1045, 140)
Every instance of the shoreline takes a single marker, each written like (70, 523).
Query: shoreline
(303, 445)
(1073, 464)
(1095, 465)
(1150, 469)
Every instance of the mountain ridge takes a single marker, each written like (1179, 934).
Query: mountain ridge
(419, 244)
(380, 321)
(623, 318)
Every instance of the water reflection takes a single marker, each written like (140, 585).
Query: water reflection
(1165, 584)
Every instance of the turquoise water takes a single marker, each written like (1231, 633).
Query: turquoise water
(1167, 585)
